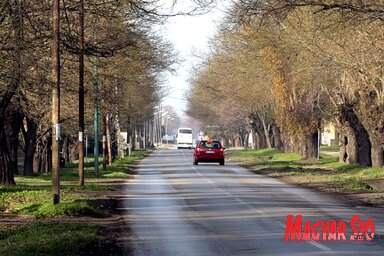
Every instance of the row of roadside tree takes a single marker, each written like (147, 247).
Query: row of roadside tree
(108, 45)
(284, 69)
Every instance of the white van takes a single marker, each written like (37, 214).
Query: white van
(184, 138)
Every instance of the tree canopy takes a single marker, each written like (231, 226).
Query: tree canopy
(289, 67)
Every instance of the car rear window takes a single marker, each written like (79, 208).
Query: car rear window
(207, 144)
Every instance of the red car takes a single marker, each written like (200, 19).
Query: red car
(208, 151)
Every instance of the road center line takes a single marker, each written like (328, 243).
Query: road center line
(249, 206)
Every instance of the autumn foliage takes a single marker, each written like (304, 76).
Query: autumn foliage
(294, 66)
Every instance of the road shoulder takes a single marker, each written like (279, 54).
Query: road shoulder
(355, 199)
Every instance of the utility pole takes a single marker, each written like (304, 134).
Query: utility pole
(154, 127)
(109, 141)
(81, 94)
(96, 110)
(56, 102)
(160, 123)
(96, 117)
(154, 132)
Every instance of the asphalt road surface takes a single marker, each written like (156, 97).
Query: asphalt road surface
(176, 208)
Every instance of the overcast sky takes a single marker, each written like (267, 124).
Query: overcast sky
(190, 35)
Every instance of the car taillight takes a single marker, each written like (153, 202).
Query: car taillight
(221, 150)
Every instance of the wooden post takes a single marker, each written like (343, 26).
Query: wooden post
(81, 93)
(56, 103)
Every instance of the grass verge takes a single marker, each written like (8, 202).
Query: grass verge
(53, 239)
(119, 169)
(330, 148)
(32, 196)
(326, 173)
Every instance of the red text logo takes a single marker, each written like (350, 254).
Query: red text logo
(328, 230)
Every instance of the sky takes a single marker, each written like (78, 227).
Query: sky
(190, 36)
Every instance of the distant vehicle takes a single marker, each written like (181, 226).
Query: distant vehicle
(209, 151)
(184, 138)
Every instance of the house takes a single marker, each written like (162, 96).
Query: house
(329, 135)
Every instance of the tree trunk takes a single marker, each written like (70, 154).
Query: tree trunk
(276, 135)
(65, 148)
(133, 137)
(104, 146)
(343, 140)
(351, 149)
(359, 145)
(256, 142)
(266, 133)
(37, 158)
(48, 156)
(376, 136)
(364, 149)
(143, 135)
(287, 143)
(137, 136)
(30, 146)
(17, 41)
(43, 155)
(120, 141)
(130, 142)
(257, 126)
(348, 145)
(6, 173)
(377, 153)
(246, 142)
(260, 138)
(242, 138)
(6, 170)
(13, 120)
(146, 137)
(73, 151)
(311, 146)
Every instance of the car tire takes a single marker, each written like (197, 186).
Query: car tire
(222, 162)
(195, 162)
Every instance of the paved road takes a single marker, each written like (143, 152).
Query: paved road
(176, 208)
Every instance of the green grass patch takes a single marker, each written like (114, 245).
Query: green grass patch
(37, 201)
(119, 169)
(12, 199)
(250, 156)
(48, 239)
(371, 173)
(328, 159)
(327, 170)
(273, 158)
(33, 195)
(76, 208)
(286, 157)
(116, 175)
(330, 148)
(354, 184)
(88, 187)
